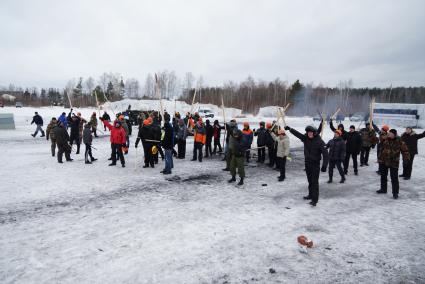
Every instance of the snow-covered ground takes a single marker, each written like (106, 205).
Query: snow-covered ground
(77, 223)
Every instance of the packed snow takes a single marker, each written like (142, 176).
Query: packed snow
(78, 223)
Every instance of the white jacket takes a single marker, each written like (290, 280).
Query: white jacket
(282, 145)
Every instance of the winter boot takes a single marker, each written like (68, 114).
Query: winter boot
(233, 179)
(240, 182)
(33, 135)
(381, 191)
(312, 203)
(93, 159)
(112, 164)
(330, 180)
(342, 180)
(280, 178)
(307, 197)
(226, 169)
(88, 162)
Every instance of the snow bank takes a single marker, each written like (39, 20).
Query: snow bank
(169, 105)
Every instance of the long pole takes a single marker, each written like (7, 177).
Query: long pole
(191, 107)
(160, 97)
(224, 120)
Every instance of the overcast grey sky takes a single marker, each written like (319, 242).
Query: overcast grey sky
(374, 43)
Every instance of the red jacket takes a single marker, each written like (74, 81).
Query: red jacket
(117, 134)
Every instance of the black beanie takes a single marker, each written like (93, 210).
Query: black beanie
(393, 131)
(352, 126)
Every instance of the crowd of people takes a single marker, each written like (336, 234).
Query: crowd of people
(160, 134)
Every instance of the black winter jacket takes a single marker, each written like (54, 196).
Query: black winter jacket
(168, 141)
(61, 135)
(145, 133)
(336, 148)
(314, 149)
(261, 134)
(87, 137)
(411, 141)
(37, 120)
(344, 133)
(354, 142)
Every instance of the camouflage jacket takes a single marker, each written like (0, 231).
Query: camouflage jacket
(49, 130)
(368, 137)
(93, 121)
(390, 152)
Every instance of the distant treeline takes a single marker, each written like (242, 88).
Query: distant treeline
(249, 95)
(304, 99)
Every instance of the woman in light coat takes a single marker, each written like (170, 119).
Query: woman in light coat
(282, 141)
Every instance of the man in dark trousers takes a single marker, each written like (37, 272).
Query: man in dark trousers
(411, 139)
(389, 159)
(369, 140)
(51, 135)
(353, 146)
(74, 124)
(38, 120)
(62, 139)
(146, 135)
(314, 150)
(87, 140)
(217, 135)
(209, 135)
(168, 144)
(337, 153)
(261, 134)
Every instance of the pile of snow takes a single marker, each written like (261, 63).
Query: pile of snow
(169, 105)
(268, 112)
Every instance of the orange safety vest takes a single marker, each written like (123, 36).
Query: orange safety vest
(202, 138)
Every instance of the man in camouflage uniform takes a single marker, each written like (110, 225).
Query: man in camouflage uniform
(51, 134)
(389, 159)
(237, 156)
(369, 140)
(93, 123)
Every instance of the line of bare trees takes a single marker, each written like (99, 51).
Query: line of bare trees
(249, 95)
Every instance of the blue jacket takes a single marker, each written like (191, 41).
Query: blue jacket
(64, 120)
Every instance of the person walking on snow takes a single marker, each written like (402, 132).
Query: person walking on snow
(410, 138)
(389, 159)
(50, 134)
(117, 141)
(237, 156)
(62, 139)
(282, 152)
(38, 120)
(314, 150)
(337, 153)
(87, 140)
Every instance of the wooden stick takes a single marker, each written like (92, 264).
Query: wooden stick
(336, 113)
(191, 107)
(371, 108)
